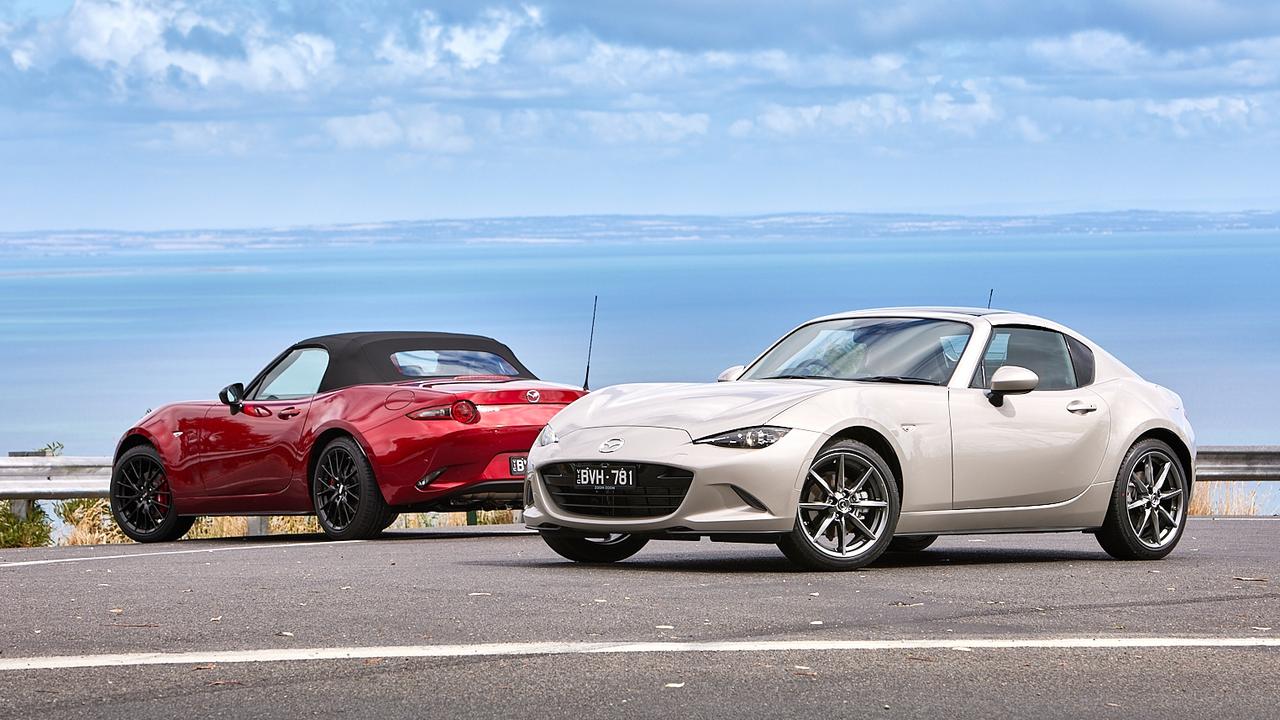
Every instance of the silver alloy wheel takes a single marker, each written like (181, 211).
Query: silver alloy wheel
(1154, 497)
(844, 507)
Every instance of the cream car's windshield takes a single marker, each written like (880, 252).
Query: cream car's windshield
(901, 350)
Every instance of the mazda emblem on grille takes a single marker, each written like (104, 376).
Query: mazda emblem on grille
(611, 445)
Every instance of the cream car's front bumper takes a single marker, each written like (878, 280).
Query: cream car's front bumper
(770, 475)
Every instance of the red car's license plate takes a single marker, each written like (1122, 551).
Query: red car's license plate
(607, 476)
(519, 464)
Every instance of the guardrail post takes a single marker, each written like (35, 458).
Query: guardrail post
(21, 509)
(258, 525)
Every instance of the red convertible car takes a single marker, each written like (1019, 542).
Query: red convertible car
(354, 428)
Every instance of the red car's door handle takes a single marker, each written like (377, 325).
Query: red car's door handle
(289, 412)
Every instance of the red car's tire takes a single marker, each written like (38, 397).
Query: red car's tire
(142, 500)
(346, 497)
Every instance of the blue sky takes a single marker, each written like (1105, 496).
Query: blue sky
(142, 114)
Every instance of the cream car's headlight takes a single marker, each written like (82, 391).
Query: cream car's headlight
(754, 437)
(547, 437)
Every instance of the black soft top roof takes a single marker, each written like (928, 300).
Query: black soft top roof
(360, 358)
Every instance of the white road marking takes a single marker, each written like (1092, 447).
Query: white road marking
(120, 556)
(266, 655)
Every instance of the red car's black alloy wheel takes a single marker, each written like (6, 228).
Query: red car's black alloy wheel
(142, 494)
(337, 488)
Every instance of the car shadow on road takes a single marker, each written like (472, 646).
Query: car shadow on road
(773, 562)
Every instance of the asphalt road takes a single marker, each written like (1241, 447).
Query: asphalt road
(496, 625)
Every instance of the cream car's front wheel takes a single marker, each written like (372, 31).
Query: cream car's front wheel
(847, 512)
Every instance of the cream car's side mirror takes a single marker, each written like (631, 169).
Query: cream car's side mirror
(731, 374)
(1011, 380)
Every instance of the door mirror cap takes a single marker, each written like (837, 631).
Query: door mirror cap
(232, 395)
(1011, 380)
(732, 373)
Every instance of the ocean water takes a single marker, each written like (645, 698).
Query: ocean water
(97, 328)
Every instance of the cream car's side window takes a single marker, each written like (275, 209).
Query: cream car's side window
(1044, 352)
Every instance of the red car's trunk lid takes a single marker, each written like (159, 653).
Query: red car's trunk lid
(485, 390)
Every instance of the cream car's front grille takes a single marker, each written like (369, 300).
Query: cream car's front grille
(658, 490)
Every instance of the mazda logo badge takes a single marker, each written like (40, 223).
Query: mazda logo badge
(611, 445)
(533, 396)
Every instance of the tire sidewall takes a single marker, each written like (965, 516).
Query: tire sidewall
(796, 544)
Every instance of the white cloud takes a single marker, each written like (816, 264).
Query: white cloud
(213, 138)
(419, 128)
(1188, 115)
(1091, 50)
(427, 129)
(470, 46)
(374, 130)
(131, 40)
(874, 112)
(1029, 129)
(652, 127)
(960, 114)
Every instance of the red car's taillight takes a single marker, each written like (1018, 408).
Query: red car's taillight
(464, 411)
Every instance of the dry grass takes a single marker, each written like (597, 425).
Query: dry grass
(90, 523)
(219, 527)
(1228, 498)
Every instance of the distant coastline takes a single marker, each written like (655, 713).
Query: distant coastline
(635, 229)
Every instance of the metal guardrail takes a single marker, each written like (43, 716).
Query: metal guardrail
(54, 478)
(61, 478)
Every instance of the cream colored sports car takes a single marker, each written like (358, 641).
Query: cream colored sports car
(874, 431)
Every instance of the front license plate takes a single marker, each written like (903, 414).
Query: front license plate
(607, 476)
(519, 464)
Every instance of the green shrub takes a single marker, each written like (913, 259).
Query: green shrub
(34, 531)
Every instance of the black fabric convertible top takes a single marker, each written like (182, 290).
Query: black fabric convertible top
(360, 358)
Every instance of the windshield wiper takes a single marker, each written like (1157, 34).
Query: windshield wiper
(902, 379)
(799, 377)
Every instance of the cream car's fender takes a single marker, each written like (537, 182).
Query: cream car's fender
(1140, 408)
(912, 419)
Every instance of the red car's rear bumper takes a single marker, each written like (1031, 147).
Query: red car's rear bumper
(421, 463)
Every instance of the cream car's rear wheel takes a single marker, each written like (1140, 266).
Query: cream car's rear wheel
(1148, 506)
(847, 512)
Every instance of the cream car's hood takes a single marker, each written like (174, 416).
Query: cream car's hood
(700, 409)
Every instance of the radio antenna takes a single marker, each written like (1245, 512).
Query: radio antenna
(989, 296)
(591, 339)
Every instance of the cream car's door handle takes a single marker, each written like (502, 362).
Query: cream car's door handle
(1080, 407)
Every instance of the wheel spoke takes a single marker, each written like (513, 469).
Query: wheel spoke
(861, 527)
(1173, 523)
(863, 480)
(1136, 504)
(1155, 526)
(816, 506)
(821, 483)
(843, 535)
(1164, 475)
(840, 472)
(821, 532)
(1146, 517)
(1170, 494)
(869, 504)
